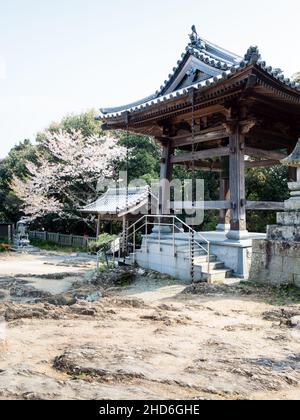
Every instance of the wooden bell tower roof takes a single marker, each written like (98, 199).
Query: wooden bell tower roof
(215, 77)
(201, 61)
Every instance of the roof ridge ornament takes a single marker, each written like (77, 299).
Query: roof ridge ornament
(252, 55)
(196, 41)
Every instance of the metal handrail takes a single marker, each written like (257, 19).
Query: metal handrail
(134, 229)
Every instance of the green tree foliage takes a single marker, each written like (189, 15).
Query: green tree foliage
(211, 192)
(14, 164)
(144, 156)
(86, 123)
(267, 184)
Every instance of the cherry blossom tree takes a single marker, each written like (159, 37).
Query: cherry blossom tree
(67, 172)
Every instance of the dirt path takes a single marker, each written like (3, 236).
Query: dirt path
(150, 341)
(38, 264)
(147, 340)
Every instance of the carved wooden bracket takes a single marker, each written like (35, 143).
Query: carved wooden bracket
(246, 126)
(230, 126)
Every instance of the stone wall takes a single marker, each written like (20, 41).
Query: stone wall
(275, 262)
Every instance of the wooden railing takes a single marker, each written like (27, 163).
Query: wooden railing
(61, 239)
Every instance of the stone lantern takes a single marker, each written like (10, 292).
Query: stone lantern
(288, 223)
(293, 204)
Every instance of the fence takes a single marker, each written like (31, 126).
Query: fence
(63, 240)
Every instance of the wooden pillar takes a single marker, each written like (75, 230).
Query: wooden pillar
(165, 177)
(125, 234)
(98, 226)
(238, 227)
(224, 219)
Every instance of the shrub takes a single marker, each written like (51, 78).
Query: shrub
(4, 247)
(103, 243)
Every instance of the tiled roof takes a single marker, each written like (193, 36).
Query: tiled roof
(223, 64)
(116, 202)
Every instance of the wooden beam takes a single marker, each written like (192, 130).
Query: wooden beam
(261, 163)
(266, 154)
(204, 166)
(226, 205)
(199, 138)
(203, 155)
(217, 205)
(206, 205)
(264, 205)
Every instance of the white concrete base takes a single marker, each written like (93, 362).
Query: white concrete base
(235, 254)
(162, 259)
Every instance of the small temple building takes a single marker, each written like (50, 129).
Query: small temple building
(121, 204)
(221, 112)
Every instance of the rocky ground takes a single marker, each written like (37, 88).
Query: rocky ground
(132, 334)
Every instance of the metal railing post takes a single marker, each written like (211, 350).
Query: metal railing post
(208, 270)
(190, 248)
(193, 257)
(147, 224)
(159, 233)
(174, 246)
(134, 243)
(120, 245)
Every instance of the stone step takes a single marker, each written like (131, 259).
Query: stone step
(130, 259)
(217, 276)
(203, 259)
(217, 265)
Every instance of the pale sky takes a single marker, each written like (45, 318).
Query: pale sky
(66, 56)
